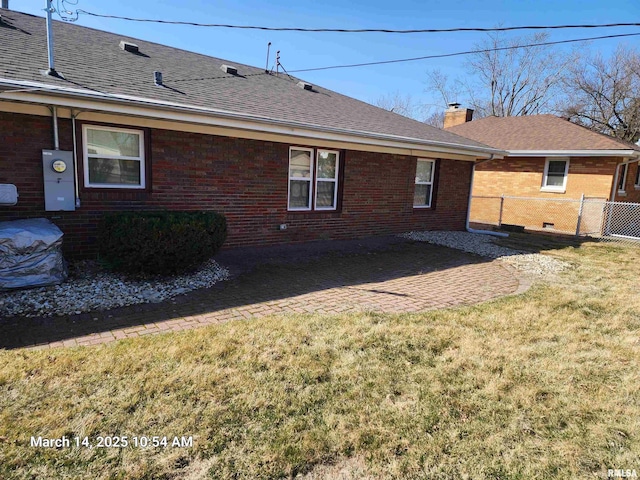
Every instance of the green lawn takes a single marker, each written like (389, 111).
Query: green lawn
(539, 386)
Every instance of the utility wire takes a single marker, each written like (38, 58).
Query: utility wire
(469, 52)
(359, 30)
(427, 57)
(64, 13)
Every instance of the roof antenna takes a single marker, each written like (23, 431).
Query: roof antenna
(277, 62)
(266, 67)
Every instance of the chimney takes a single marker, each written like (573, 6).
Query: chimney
(454, 115)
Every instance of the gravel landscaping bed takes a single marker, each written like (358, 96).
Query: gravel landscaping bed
(91, 288)
(483, 245)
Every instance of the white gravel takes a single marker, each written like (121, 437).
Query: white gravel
(89, 289)
(530, 263)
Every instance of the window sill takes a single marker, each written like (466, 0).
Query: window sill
(313, 214)
(553, 190)
(622, 193)
(114, 187)
(422, 207)
(313, 211)
(636, 187)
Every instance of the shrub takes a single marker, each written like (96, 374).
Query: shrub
(160, 242)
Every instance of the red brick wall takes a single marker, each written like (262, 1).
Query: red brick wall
(244, 179)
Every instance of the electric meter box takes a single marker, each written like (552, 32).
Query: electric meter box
(59, 189)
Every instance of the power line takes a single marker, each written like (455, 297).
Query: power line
(469, 52)
(359, 30)
(426, 57)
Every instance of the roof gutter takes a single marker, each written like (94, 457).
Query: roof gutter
(575, 153)
(136, 106)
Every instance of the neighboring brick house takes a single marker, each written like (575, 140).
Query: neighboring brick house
(283, 160)
(547, 158)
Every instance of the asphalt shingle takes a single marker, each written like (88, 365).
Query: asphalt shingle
(537, 132)
(92, 59)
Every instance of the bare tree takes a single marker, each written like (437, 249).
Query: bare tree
(435, 119)
(404, 105)
(518, 80)
(604, 94)
(506, 77)
(400, 104)
(449, 91)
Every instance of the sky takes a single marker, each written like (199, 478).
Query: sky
(301, 50)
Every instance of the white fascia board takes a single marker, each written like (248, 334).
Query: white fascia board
(33, 92)
(573, 153)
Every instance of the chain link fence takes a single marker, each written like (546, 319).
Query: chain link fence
(594, 217)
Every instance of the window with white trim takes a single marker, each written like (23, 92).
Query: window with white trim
(622, 177)
(423, 183)
(113, 157)
(637, 184)
(300, 170)
(555, 174)
(326, 180)
(313, 179)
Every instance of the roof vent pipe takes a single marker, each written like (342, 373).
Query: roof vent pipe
(52, 69)
(5, 4)
(157, 78)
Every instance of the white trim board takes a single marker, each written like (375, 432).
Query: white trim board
(44, 94)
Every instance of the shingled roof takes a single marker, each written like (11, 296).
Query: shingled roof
(92, 60)
(537, 133)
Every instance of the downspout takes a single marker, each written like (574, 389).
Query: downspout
(616, 177)
(75, 156)
(468, 228)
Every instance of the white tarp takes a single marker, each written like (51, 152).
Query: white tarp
(30, 254)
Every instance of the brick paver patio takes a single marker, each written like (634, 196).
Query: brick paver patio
(390, 276)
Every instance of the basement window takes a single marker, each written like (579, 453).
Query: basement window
(313, 179)
(423, 183)
(555, 175)
(113, 157)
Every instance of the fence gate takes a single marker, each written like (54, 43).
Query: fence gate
(622, 220)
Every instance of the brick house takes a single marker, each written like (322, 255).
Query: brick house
(547, 158)
(145, 126)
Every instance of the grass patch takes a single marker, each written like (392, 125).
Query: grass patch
(542, 385)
